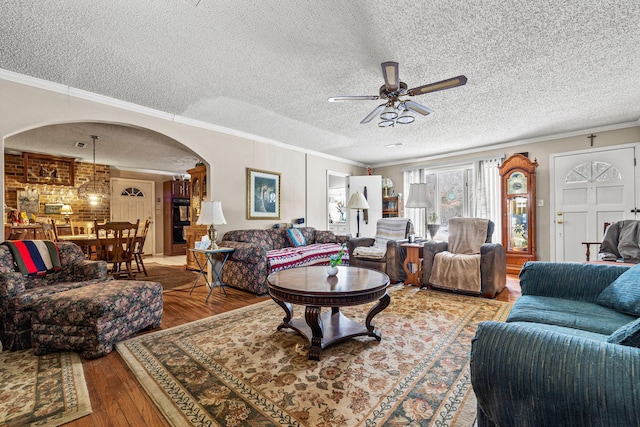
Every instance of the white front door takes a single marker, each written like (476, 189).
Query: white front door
(591, 188)
(132, 200)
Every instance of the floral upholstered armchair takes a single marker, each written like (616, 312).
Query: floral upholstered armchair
(19, 292)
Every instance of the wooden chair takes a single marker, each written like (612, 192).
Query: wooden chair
(139, 251)
(588, 244)
(116, 245)
(48, 233)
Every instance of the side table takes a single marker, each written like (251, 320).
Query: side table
(216, 273)
(413, 263)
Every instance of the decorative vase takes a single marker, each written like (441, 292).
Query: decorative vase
(433, 229)
(332, 271)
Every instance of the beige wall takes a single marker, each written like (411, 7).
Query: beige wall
(540, 151)
(303, 175)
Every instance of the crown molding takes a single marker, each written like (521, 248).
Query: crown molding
(128, 106)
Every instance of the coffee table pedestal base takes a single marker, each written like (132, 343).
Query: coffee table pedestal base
(325, 329)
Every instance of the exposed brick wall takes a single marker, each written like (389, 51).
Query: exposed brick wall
(82, 210)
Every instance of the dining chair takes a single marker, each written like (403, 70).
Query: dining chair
(115, 244)
(47, 231)
(139, 250)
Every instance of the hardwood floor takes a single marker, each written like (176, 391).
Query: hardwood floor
(118, 399)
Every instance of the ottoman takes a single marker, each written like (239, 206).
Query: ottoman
(91, 319)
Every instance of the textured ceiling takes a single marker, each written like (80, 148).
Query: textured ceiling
(534, 68)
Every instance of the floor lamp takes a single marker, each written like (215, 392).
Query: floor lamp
(357, 201)
(419, 198)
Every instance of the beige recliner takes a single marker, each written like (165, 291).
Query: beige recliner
(468, 262)
(383, 252)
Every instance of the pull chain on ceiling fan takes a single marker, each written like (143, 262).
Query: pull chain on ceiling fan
(398, 109)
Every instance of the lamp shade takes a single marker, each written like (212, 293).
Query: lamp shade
(357, 201)
(387, 183)
(211, 213)
(66, 209)
(418, 196)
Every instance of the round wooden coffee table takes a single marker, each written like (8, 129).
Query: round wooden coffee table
(311, 287)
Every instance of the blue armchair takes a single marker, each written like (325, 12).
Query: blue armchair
(565, 355)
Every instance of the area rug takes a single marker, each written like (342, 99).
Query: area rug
(41, 390)
(169, 276)
(236, 369)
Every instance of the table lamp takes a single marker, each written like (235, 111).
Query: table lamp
(386, 184)
(211, 214)
(66, 210)
(419, 198)
(357, 201)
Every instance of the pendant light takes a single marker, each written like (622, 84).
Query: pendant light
(93, 190)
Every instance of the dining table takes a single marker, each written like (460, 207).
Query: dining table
(85, 241)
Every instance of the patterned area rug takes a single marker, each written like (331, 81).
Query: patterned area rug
(235, 369)
(41, 391)
(169, 276)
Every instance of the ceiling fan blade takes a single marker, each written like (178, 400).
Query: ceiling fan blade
(373, 114)
(441, 85)
(418, 108)
(354, 98)
(390, 74)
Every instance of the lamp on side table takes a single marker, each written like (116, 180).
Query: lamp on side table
(211, 214)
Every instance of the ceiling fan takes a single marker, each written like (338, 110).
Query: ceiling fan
(397, 108)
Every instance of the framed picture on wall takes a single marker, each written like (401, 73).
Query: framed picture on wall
(28, 201)
(263, 194)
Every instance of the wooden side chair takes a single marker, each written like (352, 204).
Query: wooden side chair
(116, 245)
(588, 244)
(139, 251)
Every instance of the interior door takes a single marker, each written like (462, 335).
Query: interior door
(132, 199)
(591, 188)
(373, 185)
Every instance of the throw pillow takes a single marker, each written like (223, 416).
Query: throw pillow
(628, 334)
(623, 294)
(295, 237)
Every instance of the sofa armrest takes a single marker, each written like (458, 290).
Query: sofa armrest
(249, 253)
(395, 257)
(87, 270)
(574, 281)
(429, 251)
(493, 269)
(12, 284)
(525, 376)
(358, 241)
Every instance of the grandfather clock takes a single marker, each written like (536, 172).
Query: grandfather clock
(518, 178)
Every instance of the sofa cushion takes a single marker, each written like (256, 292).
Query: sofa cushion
(623, 294)
(628, 334)
(568, 313)
(295, 237)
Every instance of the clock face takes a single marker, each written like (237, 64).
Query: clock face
(517, 183)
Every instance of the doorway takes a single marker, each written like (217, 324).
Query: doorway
(132, 199)
(591, 187)
(337, 215)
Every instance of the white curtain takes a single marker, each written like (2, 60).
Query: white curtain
(486, 203)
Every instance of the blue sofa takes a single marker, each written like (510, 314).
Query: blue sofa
(567, 354)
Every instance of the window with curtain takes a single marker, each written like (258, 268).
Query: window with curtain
(465, 190)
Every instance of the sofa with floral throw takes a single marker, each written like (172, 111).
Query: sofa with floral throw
(18, 292)
(258, 253)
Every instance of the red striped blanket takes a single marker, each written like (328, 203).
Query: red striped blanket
(34, 257)
(316, 254)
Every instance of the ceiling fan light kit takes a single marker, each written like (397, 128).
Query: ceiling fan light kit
(398, 109)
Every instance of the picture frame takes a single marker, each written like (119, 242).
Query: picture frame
(263, 194)
(45, 169)
(52, 208)
(28, 201)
